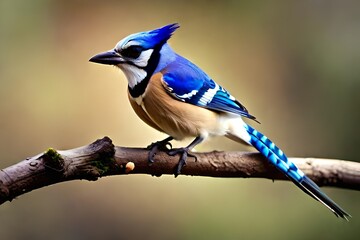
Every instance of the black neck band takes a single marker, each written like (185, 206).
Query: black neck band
(139, 88)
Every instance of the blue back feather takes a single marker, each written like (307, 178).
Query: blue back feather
(188, 83)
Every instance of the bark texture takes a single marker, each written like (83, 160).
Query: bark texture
(102, 158)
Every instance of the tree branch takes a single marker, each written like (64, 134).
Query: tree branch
(102, 158)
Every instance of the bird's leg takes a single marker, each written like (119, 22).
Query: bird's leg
(184, 154)
(163, 145)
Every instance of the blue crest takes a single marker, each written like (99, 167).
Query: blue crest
(152, 38)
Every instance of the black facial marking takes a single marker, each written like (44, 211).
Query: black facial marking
(139, 89)
(132, 51)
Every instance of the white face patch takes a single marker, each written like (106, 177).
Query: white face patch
(143, 59)
(133, 74)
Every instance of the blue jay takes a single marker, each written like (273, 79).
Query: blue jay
(174, 96)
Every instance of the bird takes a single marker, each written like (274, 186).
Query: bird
(174, 96)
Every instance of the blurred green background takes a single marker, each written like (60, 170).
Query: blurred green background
(294, 64)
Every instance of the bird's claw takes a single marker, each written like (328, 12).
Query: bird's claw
(154, 147)
(184, 154)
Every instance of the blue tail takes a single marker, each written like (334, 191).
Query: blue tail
(275, 156)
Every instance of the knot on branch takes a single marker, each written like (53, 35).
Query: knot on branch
(92, 161)
(53, 161)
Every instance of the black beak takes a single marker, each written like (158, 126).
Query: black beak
(110, 57)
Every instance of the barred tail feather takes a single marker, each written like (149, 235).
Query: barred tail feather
(275, 156)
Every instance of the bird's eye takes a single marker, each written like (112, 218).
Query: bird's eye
(132, 52)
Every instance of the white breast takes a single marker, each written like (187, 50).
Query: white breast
(134, 72)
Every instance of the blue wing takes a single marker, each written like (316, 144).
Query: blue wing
(188, 83)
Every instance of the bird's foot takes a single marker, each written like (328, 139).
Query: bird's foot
(184, 154)
(163, 145)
